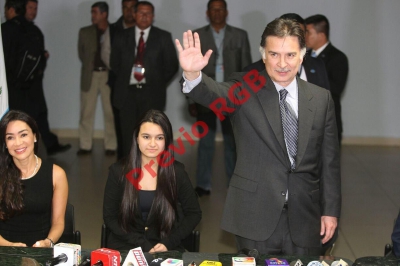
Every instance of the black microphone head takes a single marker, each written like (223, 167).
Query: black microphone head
(249, 253)
(85, 262)
(156, 262)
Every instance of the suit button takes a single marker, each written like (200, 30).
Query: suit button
(283, 193)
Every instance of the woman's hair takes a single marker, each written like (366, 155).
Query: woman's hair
(165, 200)
(11, 191)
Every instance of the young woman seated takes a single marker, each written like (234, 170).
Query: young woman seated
(149, 201)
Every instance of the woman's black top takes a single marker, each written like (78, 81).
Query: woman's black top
(144, 233)
(34, 222)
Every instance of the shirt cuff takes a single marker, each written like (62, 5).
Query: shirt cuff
(188, 85)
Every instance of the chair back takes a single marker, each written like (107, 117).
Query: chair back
(70, 235)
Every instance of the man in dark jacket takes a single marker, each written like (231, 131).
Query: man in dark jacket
(19, 36)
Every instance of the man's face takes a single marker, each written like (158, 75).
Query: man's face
(31, 10)
(128, 12)
(312, 37)
(97, 16)
(282, 59)
(217, 13)
(144, 16)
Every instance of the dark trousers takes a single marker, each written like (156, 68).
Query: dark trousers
(205, 152)
(139, 103)
(338, 115)
(280, 242)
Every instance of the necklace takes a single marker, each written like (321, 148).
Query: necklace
(34, 170)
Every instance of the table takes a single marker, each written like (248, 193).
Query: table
(29, 256)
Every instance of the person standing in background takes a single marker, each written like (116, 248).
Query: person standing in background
(145, 61)
(20, 37)
(94, 77)
(336, 63)
(127, 20)
(232, 54)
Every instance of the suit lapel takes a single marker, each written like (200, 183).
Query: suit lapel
(130, 41)
(209, 42)
(228, 35)
(269, 100)
(306, 118)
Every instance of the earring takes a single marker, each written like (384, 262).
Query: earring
(35, 140)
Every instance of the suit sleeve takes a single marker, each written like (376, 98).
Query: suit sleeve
(330, 177)
(191, 210)
(170, 59)
(81, 46)
(111, 209)
(116, 52)
(246, 54)
(338, 72)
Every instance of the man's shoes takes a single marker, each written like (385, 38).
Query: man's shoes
(83, 152)
(58, 148)
(110, 152)
(201, 192)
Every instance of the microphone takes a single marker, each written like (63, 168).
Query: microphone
(57, 260)
(105, 257)
(135, 257)
(296, 263)
(156, 262)
(314, 263)
(85, 262)
(339, 263)
(65, 254)
(249, 253)
(276, 261)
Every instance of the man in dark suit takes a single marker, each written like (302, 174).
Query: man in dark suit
(141, 81)
(127, 20)
(336, 63)
(312, 70)
(284, 195)
(232, 54)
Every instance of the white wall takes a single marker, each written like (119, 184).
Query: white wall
(365, 30)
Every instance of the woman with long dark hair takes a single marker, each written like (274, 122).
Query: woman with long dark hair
(149, 201)
(33, 193)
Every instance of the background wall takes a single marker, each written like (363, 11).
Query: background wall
(365, 30)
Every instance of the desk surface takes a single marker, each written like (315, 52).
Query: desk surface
(11, 256)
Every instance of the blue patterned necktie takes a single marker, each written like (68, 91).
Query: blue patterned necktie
(290, 126)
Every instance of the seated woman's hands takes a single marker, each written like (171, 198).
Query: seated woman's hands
(42, 244)
(158, 248)
(18, 244)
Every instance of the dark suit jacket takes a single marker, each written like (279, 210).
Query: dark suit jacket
(337, 66)
(29, 97)
(314, 68)
(262, 174)
(236, 52)
(160, 62)
(188, 216)
(115, 28)
(87, 47)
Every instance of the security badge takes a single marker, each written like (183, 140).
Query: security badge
(137, 75)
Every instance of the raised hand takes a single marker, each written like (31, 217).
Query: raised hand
(190, 57)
